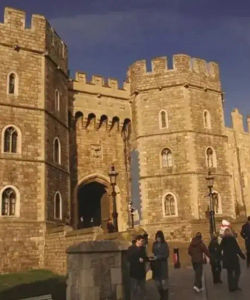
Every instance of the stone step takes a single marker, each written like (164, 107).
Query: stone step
(42, 297)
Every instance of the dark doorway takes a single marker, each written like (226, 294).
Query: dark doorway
(93, 205)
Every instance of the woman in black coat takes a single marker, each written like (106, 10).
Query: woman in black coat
(230, 251)
(160, 264)
(215, 259)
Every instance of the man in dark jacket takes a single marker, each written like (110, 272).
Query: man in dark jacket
(137, 258)
(196, 250)
(230, 251)
(245, 233)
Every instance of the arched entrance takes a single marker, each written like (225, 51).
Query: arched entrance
(93, 205)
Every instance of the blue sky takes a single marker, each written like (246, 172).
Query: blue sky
(106, 36)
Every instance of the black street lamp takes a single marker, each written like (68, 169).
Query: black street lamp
(112, 175)
(131, 210)
(210, 184)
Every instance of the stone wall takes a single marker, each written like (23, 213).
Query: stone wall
(57, 240)
(22, 245)
(239, 162)
(98, 270)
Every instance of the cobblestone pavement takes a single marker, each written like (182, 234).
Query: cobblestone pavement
(181, 283)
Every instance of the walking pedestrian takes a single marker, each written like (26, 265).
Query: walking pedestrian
(137, 258)
(245, 233)
(196, 250)
(230, 251)
(160, 264)
(215, 259)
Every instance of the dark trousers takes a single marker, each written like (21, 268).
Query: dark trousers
(248, 252)
(137, 289)
(233, 276)
(248, 257)
(216, 271)
(198, 267)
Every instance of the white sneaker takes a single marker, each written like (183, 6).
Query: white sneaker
(196, 289)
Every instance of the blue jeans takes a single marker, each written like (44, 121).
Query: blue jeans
(137, 289)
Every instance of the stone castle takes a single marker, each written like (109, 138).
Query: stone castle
(60, 137)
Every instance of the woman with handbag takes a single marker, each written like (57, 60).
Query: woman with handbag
(159, 264)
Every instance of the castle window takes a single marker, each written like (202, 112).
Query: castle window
(9, 202)
(57, 100)
(10, 140)
(57, 151)
(211, 158)
(217, 202)
(163, 119)
(58, 206)
(166, 158)
(206, 119)
(115, 123)
(79, 119)
(169, 205)
(91, 121)
(12, 84)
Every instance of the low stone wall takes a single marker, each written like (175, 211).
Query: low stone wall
(22, 245)
(58, 240)
(179, 235)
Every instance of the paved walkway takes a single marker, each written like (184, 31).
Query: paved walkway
(181, 283)
(221, 291)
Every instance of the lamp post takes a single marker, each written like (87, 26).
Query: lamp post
(112, 175)
(210, 184)
(131, 210)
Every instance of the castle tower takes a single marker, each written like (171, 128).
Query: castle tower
(178, 127)
(34, 176)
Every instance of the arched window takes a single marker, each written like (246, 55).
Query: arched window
(58, 206)
(79, 119)
(57, 151)
(10, 140)
(57, 100)
(91, 120)
(9, 202)
(169, 205)
(12, 84)
(115, 123)
(217, 202)
(206, 119)
(163, 119)
(166, 158)
(210, 158)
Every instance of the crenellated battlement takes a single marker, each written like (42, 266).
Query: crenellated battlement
(186, 70)
(39, 37)
(100, 86)
(238, 121)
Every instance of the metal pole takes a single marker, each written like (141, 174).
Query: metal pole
(211, 213)
(132, 214)
(114, 214)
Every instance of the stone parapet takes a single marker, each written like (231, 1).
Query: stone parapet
(100, 86)
(39, 37)
(186, 71)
